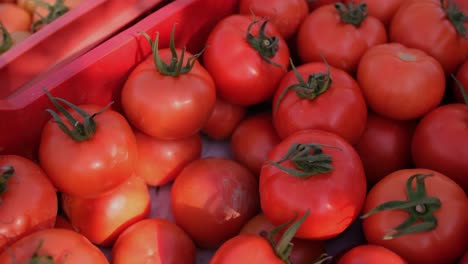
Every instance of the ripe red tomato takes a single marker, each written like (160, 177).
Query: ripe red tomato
(330, 100)
(382, 10)
(399, 82)
(440, 142)
(168, 102)
(303, 251)
(316, 170)
(434, 26)
(253, 139)
(28, 200)
(212, 198)
(54, 244)
(385, 147)
(43, 15)
(160, 161)
(103, 218)
(245, 75)
(464, 259)
(371, 254)
(438, 210)
(14, 18)
(285, 15)
(223, 120)
(153, 241)
(462, 77)
(313, 4)
(345, 33)
(94, 162)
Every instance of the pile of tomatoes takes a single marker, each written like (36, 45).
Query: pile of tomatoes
(21, 18)
(333, 112)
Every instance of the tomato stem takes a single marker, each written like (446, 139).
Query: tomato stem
(353, 14)
(7, 41)
(308, 160)
(54, 11)
(176, 67)
(6, 172)
(36, 258)
(317, 83)
(265, 45)
(284, 246)
(462, 89)
(419, 206)
(456, 16)
(81, 131)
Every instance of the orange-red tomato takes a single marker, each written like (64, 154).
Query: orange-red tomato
(40, 12)
(212, 198)
(62, 245)
(253, 139)
(28, 200)
(425, 25)
(287, 16)
(14, 18)
(153, 241)
(340, 35)
(399, 82)
(160, 161)
(103, 218)
(370, 254)
(94, 166)
(448, 239)
(223, 120)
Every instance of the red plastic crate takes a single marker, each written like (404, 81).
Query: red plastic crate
(72, 34)
(98, 76)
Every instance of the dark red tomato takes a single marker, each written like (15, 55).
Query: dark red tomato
(169, 102)
(382, 10)
(341, 33)
(53, 245)
(462, 77)
(371, 254)
(253, 61)
(28, 200)
(462, 4)
(223, 120)
(160, 161)
(435, 210)
(62, 222)
(385, 146)
(253, 139)
(153, 241)
(316, 170)
(212, 198)
(440, 142)
(92, 163)
(303, 251)
(330, 100)
(434, 26)
(383, 75)
(245, 248)
(103, 218)
(464, 259)
(286, 15)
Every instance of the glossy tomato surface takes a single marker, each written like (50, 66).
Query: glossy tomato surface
(370, 254)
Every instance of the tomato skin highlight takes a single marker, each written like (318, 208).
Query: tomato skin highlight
(29, 203)
(160, 161)
(440, 142)
(217, 193)
(335, 199)
(341, 109)
(431, 31)
(400, 83)
(245, 248)
(370, 254)
(251, 80)
(153, 241)
(342, 44)
(168, 107)
(444, 244)
(92, 167)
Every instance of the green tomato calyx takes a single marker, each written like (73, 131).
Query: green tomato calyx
(419, 206)
(353, 14)
(6, 172)
(7, 41)
(265, 45)
(81, 130)
(456, 16)
(55, 11)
